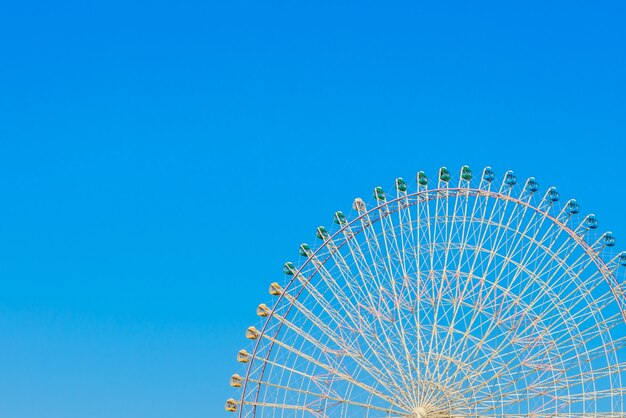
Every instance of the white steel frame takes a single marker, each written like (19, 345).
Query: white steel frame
(452, 301)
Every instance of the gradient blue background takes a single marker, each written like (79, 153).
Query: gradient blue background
(160, 161)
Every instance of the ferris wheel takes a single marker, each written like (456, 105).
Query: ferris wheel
(465, 297)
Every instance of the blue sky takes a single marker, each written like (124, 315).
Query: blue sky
(159, 162)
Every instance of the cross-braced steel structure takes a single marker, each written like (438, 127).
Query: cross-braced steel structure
(449, 298)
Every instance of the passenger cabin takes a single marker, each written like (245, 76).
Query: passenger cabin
(322, 233)
(444, 174)
(231, 405)
(510, 179)
(340, 218)
(591, 222)
(275, 289)
(289, 269)
(236, 381)
(252, 333)
(401, 185)
(552, 195)
(621, 259)
(531, 185)
(573, 207)
(243, 356)
(422, 179)
(359, 205)
(379, 193)
(488, 175)
(466, 173)
(608, 239)
(304, 250)
(263, 310)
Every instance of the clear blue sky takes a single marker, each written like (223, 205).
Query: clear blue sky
(159, 162)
